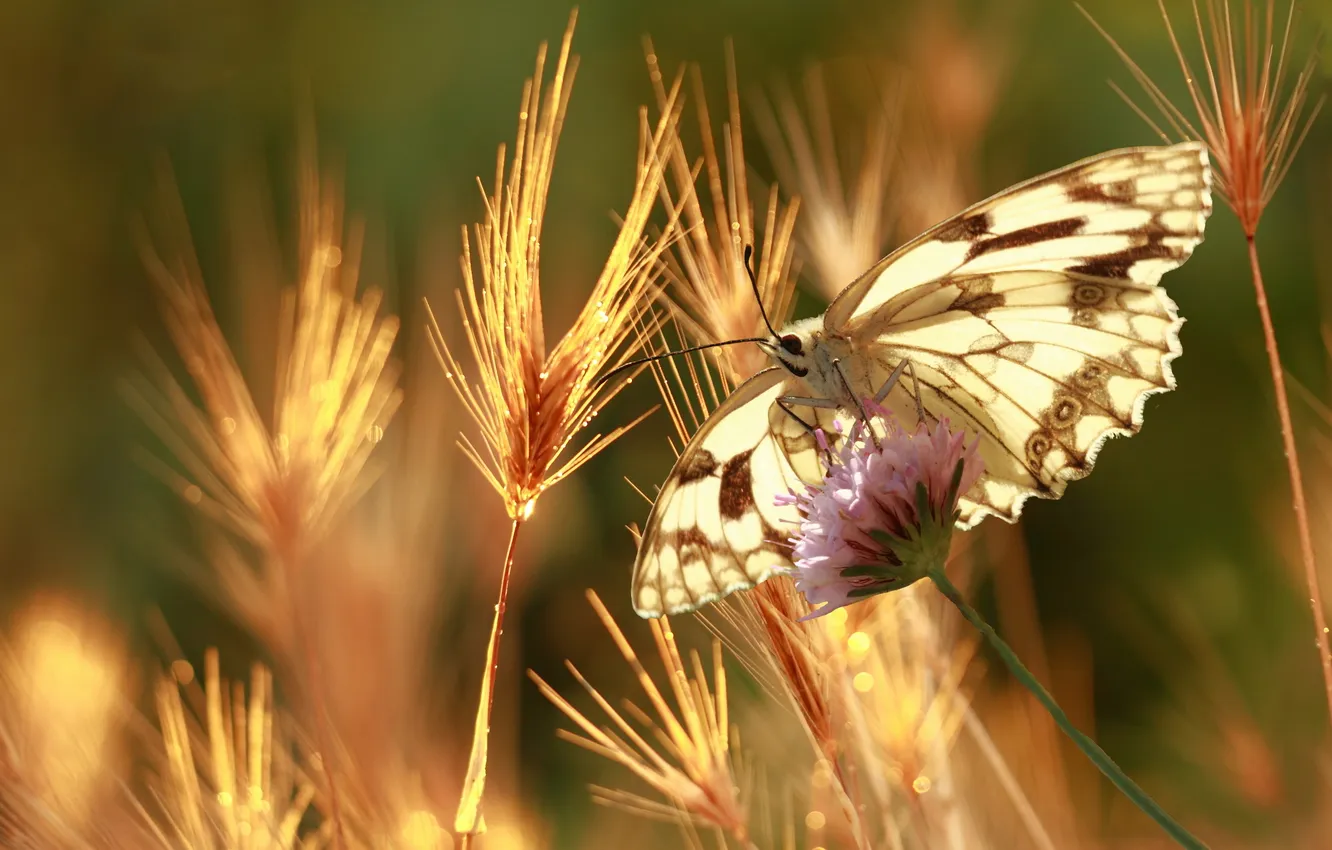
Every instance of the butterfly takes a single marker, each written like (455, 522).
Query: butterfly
(1032, 320)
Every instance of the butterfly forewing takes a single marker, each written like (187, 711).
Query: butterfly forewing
(1127, 215)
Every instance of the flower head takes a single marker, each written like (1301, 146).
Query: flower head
(884, 514)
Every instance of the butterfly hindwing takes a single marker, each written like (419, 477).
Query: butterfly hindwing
(1044, 383)
(714, 527)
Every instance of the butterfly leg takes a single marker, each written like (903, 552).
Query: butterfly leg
(904, 366)
(787, 402)
(891, 382)
(860, 405)
(915, 385)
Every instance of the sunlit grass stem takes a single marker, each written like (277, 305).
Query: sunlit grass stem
(530, 399)
(468, 819)
(319, 708)
(1253, 126)
(1293, 468)
(688, 753)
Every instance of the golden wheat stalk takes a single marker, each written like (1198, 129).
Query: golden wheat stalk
(710, 286)
(530, 400)
(845, 228)
(380, 582)
(280, 482)
(228, 777)
(691, 764)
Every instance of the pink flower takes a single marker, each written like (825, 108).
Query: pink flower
(884, 515)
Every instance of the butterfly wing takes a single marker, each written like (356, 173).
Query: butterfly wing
(1130, 214)
(714, 527)
(1035, 319)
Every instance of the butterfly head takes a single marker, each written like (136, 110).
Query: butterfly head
(793, 348)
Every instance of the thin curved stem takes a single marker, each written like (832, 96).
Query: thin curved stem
(323, 738)
(290, 555)
(1296, 481)
(1098, 756)
(468, 821)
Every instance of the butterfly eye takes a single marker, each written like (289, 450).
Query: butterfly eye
(791, 344)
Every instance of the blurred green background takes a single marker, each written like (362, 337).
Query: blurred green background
(1183, 539)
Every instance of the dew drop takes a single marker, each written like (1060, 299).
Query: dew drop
(182, 671)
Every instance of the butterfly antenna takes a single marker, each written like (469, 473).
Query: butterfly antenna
(753, 281)
(654, 357)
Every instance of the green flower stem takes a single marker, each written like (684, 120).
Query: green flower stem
(1097, 755)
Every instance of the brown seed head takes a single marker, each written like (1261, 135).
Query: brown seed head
(1253, 135)
(530, 400)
